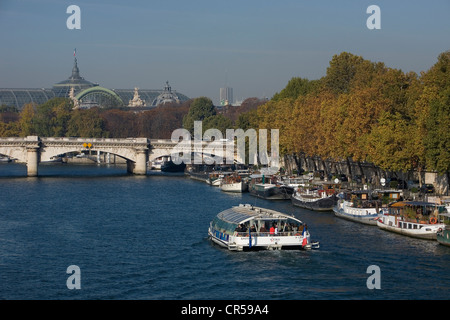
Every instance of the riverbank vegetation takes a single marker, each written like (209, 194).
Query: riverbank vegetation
(366, 111)
(360, 110)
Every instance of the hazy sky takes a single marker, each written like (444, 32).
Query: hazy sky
(255, 46)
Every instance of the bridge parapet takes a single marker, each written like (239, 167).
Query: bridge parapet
(33, 149)
(137, 151)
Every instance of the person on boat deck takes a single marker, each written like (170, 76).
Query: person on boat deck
(274, 229)
(263, 229)
(253, 228)
(240, 228)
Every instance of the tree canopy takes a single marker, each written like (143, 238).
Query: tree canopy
(366, 111)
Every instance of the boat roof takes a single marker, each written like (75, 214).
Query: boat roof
(245, 212)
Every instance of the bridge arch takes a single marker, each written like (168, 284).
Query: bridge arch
(51, 154)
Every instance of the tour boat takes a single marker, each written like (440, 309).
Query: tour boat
(318, 199)
(233, 184)
(443, 234)
(245, 227)
(413, 218)
(364, 206)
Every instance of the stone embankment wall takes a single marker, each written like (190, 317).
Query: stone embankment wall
(357, 171)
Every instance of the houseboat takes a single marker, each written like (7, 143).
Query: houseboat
(268, 188)
(245, 227)
(318, 198)
(413, 218)
(170, 166)
(234, 183)
(364, 206)
(215, 178)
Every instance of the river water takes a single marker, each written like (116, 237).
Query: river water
(145, 237)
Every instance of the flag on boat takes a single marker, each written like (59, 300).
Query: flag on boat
(249, 237)
(74, 52)
(305, 241)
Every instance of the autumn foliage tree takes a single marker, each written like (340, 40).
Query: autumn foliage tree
(365, 111)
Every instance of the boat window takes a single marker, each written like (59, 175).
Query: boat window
(223, 225)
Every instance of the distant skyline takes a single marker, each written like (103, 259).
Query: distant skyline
(199, 46)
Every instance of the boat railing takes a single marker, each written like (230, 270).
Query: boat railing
(268, 234)
(419, 220)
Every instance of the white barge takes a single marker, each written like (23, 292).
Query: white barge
(246, 227)
(364, 206)
(413, 218)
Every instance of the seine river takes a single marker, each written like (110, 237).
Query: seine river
(145, 237)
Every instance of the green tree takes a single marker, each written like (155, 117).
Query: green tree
(86, 123)
(219, 122)
(297, 87)
(342, 70)
(200, 109)
(52, 117)
(26, 120)
(436, 119)
(247, 120)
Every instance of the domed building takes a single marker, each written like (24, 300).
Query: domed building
(167, 96)
(86, 94)
(75, 81)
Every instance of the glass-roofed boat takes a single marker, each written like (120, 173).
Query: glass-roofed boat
(246, 227)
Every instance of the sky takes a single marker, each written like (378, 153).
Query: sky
(199, 46)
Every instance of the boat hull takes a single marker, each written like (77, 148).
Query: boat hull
(237, 187)
(370, 219)
(272, 193)
(443, 237)
(319, 204)
(407, 228)
(170, 166)
(267, 242)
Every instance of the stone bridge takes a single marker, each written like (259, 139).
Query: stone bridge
(137, 151)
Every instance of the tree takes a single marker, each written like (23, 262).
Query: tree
(342, 70)
(120, 123)
(86, 123)
(51, 118)
(390, 145)
(435, 116)
(219, 122)
(296, 87)
(26, 119)
(61, 114)
(200, 109)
